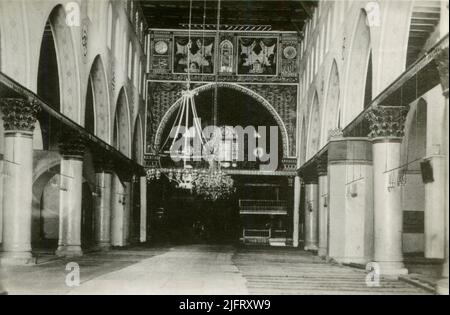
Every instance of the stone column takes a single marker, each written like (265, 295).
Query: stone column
(322, 172)
(296, 210)
(127, 211)
(72, 150)
(120, 211)
(350, 206)
(143, 223)
(19, 118)
(387, 130)
(102, 230)
(311, 211)
(442, 62)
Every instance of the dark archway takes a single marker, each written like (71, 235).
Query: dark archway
(235, 108)
(48, 87)
(87, 217)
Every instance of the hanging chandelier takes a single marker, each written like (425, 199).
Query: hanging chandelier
(200, 170)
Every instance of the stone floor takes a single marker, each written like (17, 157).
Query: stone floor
(198, 270)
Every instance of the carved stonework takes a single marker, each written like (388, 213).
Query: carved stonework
(72, 145)
(336, 133)
(19, 114)
(442, 65)
(322, 165)
(387, 121)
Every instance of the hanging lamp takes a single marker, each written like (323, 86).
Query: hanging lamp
(189, 146)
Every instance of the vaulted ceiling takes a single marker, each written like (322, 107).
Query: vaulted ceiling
(280, 15)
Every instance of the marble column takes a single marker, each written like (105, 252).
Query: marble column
(296, 219)
(72, 150)
(350, 206)
(311, 212)
(322, 168)
(442, 63)
(19, 118)
(387, 130)
(102, 229)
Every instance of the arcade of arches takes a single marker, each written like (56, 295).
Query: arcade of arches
(90, 89)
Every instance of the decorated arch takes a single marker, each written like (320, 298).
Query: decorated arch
(279, 100)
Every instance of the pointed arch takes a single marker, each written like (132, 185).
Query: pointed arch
(357, 69)
(314, 128)
(138, 142)
(122, 130)
(303, 137)
(265, 103)
(68, 67)
(101, 103)
(332, 103)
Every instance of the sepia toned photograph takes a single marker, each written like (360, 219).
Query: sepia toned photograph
(223, 153)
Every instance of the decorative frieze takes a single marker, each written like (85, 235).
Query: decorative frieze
(19, 114)
(387, 121)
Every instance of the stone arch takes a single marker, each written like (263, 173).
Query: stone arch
(122, 132)
(138, 142)
(357, 69)
(331, 110)
(45, 220)
(237, 87)
(313, 141)
(99, 83)
(68, 68)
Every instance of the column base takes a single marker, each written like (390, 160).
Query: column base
(69, 251)
(322, 252)
(16, 258)
(392, 269)
(104, 247)
(311, 247)
(442, 287)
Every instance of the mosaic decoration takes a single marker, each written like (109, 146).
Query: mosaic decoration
(257, 56)
(226, 55)
(198, 52)
(289, 58)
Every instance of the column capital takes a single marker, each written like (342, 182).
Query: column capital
(19, 114)
(103, 165)
(309, 176)
(441, 61)
(72, 145)
(322, 165)
(387, 121)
